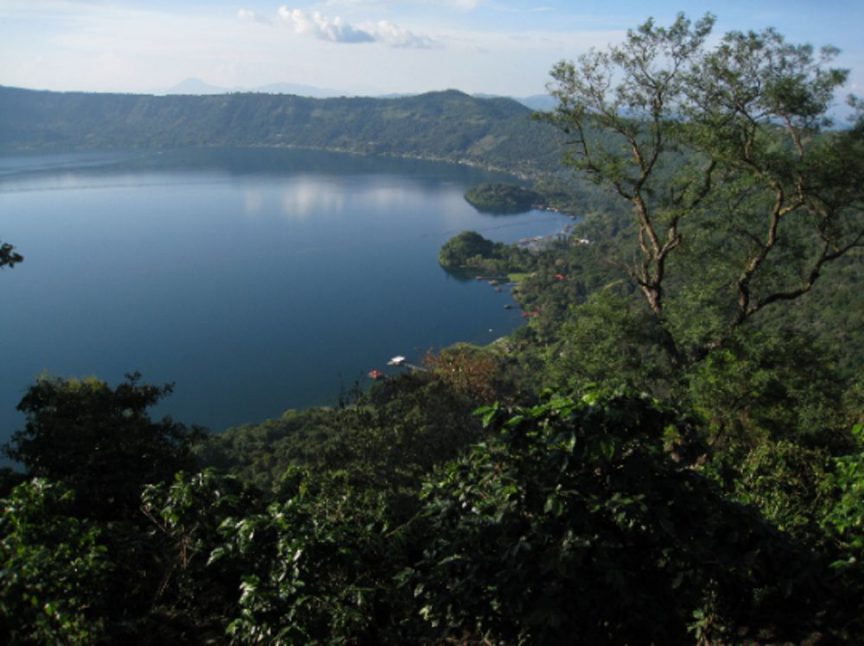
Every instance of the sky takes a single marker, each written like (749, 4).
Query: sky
(373, 47)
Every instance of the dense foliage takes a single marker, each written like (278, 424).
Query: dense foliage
(503, 198)
(54, 568)
(469, 254)
(8, 256)
(723, 143)
(99, 441)
(449, 126)
(670, 451)
(582, 520)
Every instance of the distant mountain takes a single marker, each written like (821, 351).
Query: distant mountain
(197, 87)
(539, 102)
(395, 95)
(449, 125)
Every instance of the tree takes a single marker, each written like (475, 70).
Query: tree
(591, 522)
(761, 117)
(734, 139)
(194, 596)
(54, 568)
(100, 441)
(608, 341)
(318, 566)
(465, 246)
(621, 108)
(471, 372)
(8, 256)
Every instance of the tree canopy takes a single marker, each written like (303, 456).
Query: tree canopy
(8, 256)
(100, 441)
(671, 450)
(735, 138)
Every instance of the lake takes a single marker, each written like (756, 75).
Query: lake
(256, 281)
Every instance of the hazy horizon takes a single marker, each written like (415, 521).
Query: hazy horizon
(193, 86)
(359, 47)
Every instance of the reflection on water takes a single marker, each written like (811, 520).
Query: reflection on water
(255, 280)
(253, 199)
(311, 196)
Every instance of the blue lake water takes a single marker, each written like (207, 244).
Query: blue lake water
(256, 281)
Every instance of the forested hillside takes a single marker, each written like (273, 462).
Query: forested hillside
(670, 451)
(446, 125)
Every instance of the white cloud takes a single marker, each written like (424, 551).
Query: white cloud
(336, 30)
(134, 50)
(320, 26)
(395, 36)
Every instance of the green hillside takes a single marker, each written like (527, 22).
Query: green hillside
(670, 451)
(449, 125)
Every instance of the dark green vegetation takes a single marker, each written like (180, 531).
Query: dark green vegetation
(8, 256)
(669, 452)
(449, 126)
(469, 254)
(503, 198)
(470, 250)
(100, 441)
